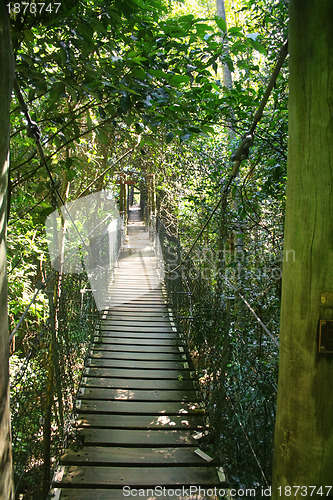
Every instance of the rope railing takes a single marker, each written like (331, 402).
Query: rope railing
(250, 308)
(43, 284)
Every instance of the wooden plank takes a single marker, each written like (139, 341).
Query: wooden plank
(137, 438)
(143, 477)
(137, 300)
(138, 341)
(137, 310)
(139, 279)
(113, 494)
(119, 455)
(136, 356)
(138, 407)
(133, 272)
(138, 394)
(139, 322)
(131, 334)
(149, 309)
(139, 373)
(174, 422)
(149, 285)
(145, 289)
(128, 326)
(148, 365)
(135, 297)
(133, 349)
(139, 316)
(120, 383)
(130, 311)
(138, 335)
(140, 304)
(137, 319)
(121, 285)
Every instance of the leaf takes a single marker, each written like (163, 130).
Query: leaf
(257, 46)
(235, 31)
(102, 137)
(202, 28)
(208, 129)
(139, 127)
(68, 162)
(158, 73)
(98, 26)
(29, 35)
(178, 79)
(101, 112)
(221, 24)
(71, 174)
(138, 59)
(186, 19)
(125, 103)
(47, 211)
(169, 137)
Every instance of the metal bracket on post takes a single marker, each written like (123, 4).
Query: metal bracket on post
(326, 324)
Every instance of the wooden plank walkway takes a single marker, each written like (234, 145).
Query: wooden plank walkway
(138, 411)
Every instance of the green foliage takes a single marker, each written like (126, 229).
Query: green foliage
(30, 387)
(98, 75)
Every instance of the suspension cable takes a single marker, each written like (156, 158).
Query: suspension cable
(35, 132)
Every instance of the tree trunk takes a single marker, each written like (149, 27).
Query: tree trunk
(304, 437)
(227, 77)
(6, 83)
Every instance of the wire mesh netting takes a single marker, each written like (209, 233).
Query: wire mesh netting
(44, 381)
(234, 357)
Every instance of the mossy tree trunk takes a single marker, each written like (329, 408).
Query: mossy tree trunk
(304, 430)
(6, 82)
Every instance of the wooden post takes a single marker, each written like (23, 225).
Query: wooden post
(153, 195)
(6, 85)
(151, 212)
(127, 201)
(303, 432)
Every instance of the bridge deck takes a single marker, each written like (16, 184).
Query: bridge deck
(138, 407)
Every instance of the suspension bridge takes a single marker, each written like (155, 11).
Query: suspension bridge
(138, 416)
(141, 419)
